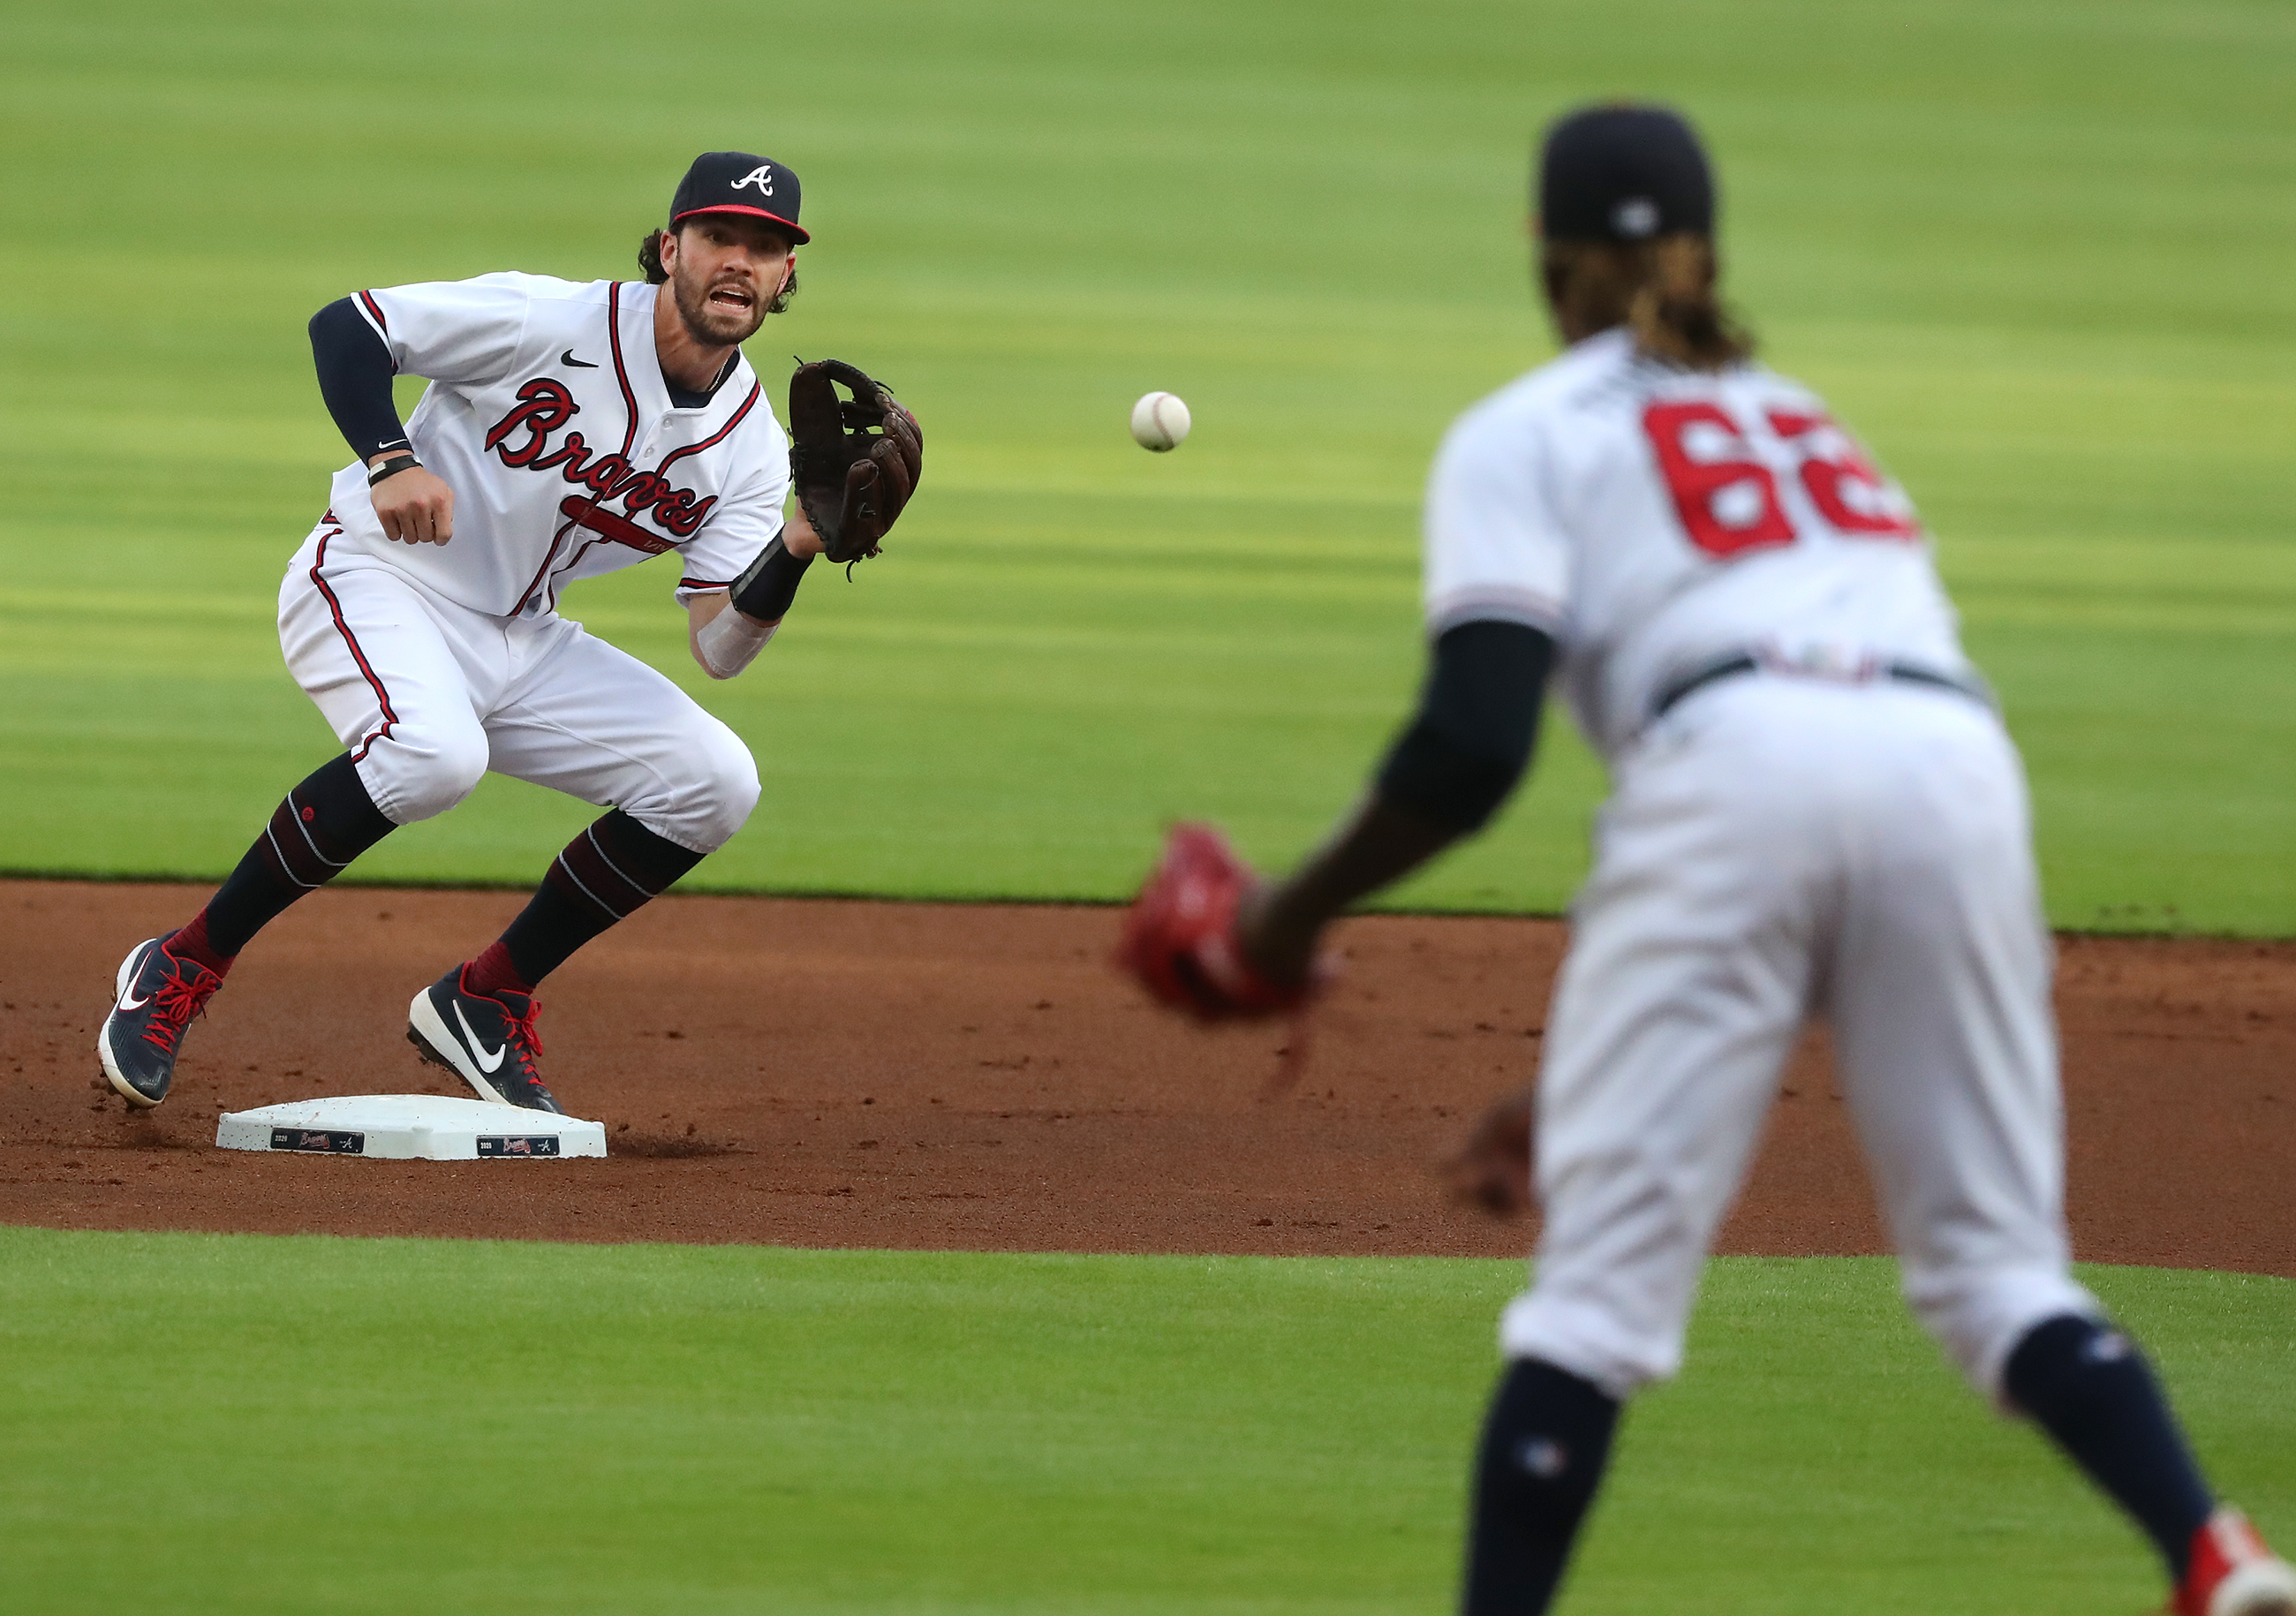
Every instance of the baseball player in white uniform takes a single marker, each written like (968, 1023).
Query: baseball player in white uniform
(1815, 811)
(570, 430)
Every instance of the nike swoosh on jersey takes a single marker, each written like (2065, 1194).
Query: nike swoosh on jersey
(568, 358)
(478, 1050)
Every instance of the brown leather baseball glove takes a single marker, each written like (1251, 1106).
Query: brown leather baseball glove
(854, 462)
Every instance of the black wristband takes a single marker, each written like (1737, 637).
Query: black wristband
(765, 591)
(391, 467)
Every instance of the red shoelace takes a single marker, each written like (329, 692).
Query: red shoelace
(175, 1003)
(523, 1031)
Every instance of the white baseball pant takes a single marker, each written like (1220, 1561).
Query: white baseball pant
(1775, 848)
(428, 695)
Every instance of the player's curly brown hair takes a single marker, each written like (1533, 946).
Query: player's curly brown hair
(1665, 290)
(650, 261)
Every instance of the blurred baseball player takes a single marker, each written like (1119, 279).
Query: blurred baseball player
(1815, 811)
(568, 431)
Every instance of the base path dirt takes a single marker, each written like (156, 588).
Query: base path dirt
(821, 1073)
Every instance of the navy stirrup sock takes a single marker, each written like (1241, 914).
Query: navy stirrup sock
(604, 874)
(2089, 1388)
(1546, 1440)
(324, 822)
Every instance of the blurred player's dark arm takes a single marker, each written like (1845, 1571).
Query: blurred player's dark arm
(355, 370)
(1451, 769)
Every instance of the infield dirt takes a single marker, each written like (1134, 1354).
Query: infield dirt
(824, 1073)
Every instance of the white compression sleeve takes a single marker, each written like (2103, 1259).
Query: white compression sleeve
(730, 642)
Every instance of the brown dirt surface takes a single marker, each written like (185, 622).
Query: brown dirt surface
(823, 1073)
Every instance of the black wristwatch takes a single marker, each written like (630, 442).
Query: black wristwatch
(391, 467)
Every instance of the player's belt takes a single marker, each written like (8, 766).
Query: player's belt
(1746, 661)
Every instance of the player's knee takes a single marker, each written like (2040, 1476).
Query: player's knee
(1620, 1348)
(425, 775)
(716, 794)
(1978, 1314)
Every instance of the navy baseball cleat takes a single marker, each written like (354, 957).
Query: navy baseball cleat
(490, 1042)
(153, 998)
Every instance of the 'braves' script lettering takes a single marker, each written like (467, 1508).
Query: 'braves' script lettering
(522, 439)
(543, 407)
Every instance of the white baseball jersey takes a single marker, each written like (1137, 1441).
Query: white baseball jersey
(548, 416)
(1653, 519)
(1847, 846)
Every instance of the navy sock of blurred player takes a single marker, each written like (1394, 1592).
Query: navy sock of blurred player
(1546, 1441)
(314, 834)
(604, 874)
(2088, 1386)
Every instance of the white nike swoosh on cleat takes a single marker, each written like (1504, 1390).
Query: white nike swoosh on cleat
(487, 1062)
(125, 1002)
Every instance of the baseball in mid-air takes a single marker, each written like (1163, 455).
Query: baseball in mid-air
(1160, 421)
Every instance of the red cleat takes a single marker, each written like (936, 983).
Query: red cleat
(2235, 1573)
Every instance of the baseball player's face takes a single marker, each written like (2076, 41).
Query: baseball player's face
(724, 269)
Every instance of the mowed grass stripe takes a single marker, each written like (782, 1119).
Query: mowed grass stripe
(2017, 245)
(206, 1423)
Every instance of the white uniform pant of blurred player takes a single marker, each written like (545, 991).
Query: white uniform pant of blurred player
(429, 695)
(1775, 848)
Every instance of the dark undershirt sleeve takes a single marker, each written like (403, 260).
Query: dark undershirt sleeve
(355, 372)
(1466, 750)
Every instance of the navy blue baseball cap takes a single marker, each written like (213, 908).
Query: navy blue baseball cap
(1623, 173)
(740, 182)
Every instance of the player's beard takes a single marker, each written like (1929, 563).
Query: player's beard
(710, 327)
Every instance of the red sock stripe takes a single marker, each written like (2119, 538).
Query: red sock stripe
(294, 849)
(587, 868)
(366, 669)
(563, 876)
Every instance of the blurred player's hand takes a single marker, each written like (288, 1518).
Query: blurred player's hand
(414, 507)
(1180, 938)
(1492, 1170)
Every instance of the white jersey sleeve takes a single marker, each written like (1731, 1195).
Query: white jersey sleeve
(738, 531)
(462, 332)
(1495, 548)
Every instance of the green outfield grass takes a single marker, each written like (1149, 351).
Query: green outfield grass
(243, 1424)
(2038, 250)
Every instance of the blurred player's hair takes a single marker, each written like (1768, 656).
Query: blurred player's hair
(650, 261)
(1665, 289)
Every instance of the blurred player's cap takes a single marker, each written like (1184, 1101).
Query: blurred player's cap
(739, 182)
(1622, 173)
